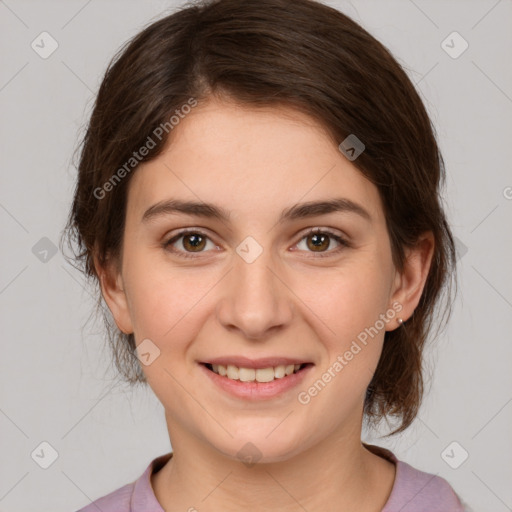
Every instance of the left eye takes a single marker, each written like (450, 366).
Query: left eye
(317, 241)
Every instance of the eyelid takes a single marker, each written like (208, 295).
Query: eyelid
(323, 229)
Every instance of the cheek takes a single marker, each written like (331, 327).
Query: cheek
(165, 302)
(349, 299)
(352, 345)
(348, 307)
(167, 308)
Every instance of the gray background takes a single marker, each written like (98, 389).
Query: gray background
(56, 385)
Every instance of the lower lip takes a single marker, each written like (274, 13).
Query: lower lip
(257, 390)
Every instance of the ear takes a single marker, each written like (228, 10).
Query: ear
(409, 284)
(113, 291)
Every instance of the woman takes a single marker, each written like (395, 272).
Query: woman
(258, 198)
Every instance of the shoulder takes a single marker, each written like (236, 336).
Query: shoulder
(116, 501)
(137, 496)
(418, 491)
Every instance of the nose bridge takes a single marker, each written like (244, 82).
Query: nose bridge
(256, 300)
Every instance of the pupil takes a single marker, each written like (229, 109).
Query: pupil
(194, 241)
(318, 240)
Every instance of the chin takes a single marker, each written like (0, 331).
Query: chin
(260, 448)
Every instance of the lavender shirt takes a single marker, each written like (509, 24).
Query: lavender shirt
(413, 491)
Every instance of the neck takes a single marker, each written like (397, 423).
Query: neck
(335, 475)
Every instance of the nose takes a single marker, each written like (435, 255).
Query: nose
(255, 299)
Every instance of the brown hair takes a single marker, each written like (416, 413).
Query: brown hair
(297, 53)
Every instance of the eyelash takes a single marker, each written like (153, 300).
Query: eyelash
(183, 254)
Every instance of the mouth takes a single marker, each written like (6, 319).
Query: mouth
(259, 374)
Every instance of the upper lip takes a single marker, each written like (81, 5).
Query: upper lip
(264, 362)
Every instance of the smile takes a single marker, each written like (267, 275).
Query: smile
(256, 379)
(254, 374)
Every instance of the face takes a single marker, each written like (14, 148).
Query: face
(271, 284)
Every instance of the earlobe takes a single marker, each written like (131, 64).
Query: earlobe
(114, 294)
(409, 284)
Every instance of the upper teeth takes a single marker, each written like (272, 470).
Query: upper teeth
(251, 374)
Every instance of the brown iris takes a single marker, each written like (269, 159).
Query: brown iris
(318, 240)
(194, 242)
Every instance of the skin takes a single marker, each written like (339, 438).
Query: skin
(291, 301)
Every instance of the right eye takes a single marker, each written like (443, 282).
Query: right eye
(194, 241)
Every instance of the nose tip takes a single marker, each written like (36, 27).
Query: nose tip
(254, 300)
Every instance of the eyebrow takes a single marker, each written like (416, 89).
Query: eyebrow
(298, 211)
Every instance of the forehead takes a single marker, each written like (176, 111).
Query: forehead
(250, 159)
